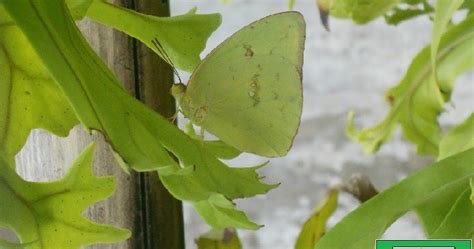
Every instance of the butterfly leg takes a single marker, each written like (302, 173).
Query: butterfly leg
(173, 117)
(201, 133)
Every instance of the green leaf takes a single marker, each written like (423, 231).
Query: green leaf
(217, 147)
(9, 245)
(418, 99)
(449, 207)
(447, 214)
(472, 190)
(291, 4)
(49, 215)
(413, 2)
(219, 239)
(469, 5)
(459, 222)
(143, 138)
(444, 10)
(29, 97)
(398, 15)
(360, 11)
(78, 8)
(373, 217)
(221, 212)
(458, 139)
(181, 37)
(222, 150)
(315, 227)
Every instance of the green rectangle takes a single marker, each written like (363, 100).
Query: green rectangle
(455, 244)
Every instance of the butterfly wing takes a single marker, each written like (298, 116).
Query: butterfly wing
(248, 90)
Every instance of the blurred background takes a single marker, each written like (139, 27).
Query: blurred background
(348, 68)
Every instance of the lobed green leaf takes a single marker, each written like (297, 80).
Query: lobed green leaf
(49, 215)
(29, 97)
(217, 147)
(221, 212)
(180, 38)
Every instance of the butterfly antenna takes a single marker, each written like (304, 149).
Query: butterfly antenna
(166, 57)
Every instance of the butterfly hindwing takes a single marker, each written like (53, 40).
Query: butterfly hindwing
(248, 90)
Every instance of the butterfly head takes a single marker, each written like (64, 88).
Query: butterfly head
(177, 90)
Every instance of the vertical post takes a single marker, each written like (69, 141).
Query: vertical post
(153, 79)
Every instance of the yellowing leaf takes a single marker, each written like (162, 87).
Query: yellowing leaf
(315, 227)
(181, 37)
(219, 239)
(418, 99)
(49, 215)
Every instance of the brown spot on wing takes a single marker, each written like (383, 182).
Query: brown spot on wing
(248, 50)
(253, 92)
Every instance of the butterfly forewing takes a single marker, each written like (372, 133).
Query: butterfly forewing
(248, 90)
